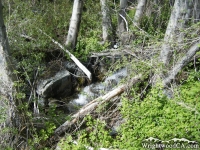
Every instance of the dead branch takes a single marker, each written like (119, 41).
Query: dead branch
(27, 37)
(113, 53)
(77, 62)
(184, 61)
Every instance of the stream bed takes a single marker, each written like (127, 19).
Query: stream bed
(95, 90)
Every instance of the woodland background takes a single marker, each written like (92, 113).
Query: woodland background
(159, 98)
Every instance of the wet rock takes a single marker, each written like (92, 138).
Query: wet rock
(59, 85)
(70, 66)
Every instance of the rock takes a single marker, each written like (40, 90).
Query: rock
(70, 66)
(59, 85)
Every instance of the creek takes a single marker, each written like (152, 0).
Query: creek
(95, 90)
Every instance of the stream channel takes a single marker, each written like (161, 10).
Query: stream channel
(95, 90)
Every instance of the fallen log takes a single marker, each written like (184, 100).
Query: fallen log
(91, 106)
(76, 61)
(180, 64)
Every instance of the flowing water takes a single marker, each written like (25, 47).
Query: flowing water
(94, 90)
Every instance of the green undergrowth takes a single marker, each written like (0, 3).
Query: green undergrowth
(155, 116)
(147, 114)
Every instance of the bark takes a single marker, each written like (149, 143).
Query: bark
(186, 8)
(139, 11)
(7, 104)
(183, 14)
(180, 18)
(180, 64)
(88, 108)
(74, 24)
(106, 22)
(197, 11)
(122, 17)
(173, 22)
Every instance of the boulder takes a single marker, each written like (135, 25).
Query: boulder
(59, 85)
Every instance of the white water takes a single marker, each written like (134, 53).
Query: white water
(92, 91)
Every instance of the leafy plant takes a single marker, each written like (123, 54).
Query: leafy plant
(161, 118)
(95, 136)
(90, 44)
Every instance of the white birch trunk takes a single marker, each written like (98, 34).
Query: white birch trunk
(106, 22)
(122, 16)
(6, 88)
(74, 24)
(139, 11)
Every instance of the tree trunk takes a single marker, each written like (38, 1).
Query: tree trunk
(180, 18)
(197, 11)
(188, 13)
(180, 64)
(74, 24)
(106, 22)
(139, 11)
(173, 22)
(122, 16)
(6, 89)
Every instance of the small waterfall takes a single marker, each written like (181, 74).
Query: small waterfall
(94, 90)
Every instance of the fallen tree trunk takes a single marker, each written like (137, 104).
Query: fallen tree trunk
(88, 108)
(180, 64)
(77, 62)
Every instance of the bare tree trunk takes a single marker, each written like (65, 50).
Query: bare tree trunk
(139, 11)
(183, 13)
(186, 17)
(122, 16)
(169, 34)
(6, 89)
(106, 22)
(197, 11)
(74, 24)
(181, 17)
